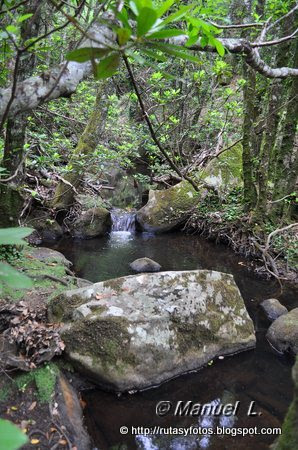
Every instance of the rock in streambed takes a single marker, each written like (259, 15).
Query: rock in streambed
(145, 265)
(137, 331)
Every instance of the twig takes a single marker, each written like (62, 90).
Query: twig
(152, 132)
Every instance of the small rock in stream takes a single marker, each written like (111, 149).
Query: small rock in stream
(273, 308)
(145, 265)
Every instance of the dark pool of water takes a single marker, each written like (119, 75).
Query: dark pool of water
(258, 375)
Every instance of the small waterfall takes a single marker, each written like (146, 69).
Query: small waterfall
(123, 220)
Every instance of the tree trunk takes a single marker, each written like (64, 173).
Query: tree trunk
(64, 194)
(287, 156)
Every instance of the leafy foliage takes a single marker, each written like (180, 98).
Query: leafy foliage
(8, 275)
(11, 437)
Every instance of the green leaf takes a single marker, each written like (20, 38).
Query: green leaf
(165, 7)
(24, 17)
(14, 236)
(123, 35)
(107, 66)
(178, 14)
(123, 17)
(166, 33)
(86, 54)
(218, 45)
(12, 29)
(11, 437)
(192, 40)
(154, 55)
(175, 50)
(145, 21)
(13, 278)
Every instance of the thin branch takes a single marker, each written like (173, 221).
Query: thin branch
(283, 17)
(152, 132)
(236, 26)
(274, 42)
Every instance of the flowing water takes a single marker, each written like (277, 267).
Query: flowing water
(258, 375)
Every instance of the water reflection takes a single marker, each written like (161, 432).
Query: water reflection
(258, 375)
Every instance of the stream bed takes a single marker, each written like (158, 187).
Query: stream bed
(259, 375)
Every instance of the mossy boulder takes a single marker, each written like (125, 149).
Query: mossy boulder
(46, 228)
(283, 333)
(92, 223)
(134, 332)
(168, 208)
(225, 172)
(289, 437)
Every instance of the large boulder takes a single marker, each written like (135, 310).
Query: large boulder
(92, 223)
(46, 228)
(145, 265)
(138, 331)
(168, 208)
(283, 333)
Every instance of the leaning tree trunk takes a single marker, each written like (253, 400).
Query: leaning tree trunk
(64, 194)
(276, 97)
(287, 156)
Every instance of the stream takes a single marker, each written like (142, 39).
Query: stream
(259, 375)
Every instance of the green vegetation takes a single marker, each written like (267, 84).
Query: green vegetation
(44, 380)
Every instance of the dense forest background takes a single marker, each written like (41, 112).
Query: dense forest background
(205, 92)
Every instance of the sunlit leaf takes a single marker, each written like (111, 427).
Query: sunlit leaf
(178, 14)
(24, 17)
(165, 7)
(145, 21)
(154, 55)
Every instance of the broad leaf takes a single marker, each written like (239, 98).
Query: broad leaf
(123, 35)
(178, 14)
(14, 236)
(13, 278)
(175, 50)
(154, 55)
(86, 54)
(11, 437)
(218, 45)
(24, 17)
(145, 21)
(166, 33)
(107, 66)
(165, 7)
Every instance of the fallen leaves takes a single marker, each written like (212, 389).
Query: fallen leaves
(35, 340)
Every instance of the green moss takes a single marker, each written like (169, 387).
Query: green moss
(106, 339)
(44, 380)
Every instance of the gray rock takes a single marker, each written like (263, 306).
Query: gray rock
(273, 308)
(283, 332)
(168, 208)
(92, 223)
(138, 331)
(145, 265)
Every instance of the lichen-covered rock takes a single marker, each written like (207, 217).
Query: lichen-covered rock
(167, 208)
(225, 172)
(289, 437)
(138, 331)
(283, 333)
(92, 223)
(273, 308)
(145, 265)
